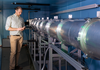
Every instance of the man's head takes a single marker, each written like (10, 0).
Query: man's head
(18, 11)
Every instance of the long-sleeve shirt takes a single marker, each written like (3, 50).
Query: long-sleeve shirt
(14, 21)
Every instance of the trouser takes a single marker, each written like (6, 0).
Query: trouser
(16, 44)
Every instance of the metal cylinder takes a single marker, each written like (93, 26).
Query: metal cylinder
(89, 37)
(51, 27)
(37, 24)
(68, 30)
(34, 24)
(42, 26)
(31, 22)
(78, 33)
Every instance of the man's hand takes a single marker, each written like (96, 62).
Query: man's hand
(24, 27)
(21, 29)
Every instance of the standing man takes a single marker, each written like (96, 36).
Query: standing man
(15, 24)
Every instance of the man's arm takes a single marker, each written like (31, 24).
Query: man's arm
(16, 29)
(8, 23)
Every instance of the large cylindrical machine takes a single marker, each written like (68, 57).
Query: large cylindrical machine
(89, 38)
(67, 32)
(42, 26)
(51, 27)
(81, 34)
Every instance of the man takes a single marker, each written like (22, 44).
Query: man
(15, 24)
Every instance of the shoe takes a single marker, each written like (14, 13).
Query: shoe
(18, 67)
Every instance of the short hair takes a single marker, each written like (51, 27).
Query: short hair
(18, 8)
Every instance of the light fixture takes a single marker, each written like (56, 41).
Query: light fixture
(27, 3)
(55, 17)
(70, 16)
(98, 14)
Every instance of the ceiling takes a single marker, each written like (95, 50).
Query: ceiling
(7, 4)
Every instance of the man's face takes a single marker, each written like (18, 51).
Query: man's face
(19, 12)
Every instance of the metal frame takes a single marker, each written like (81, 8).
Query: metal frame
(73, 62)
(40, 46)
(69, 59)
(51, 43)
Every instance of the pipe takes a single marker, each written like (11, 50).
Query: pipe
(16, 3)
(67, 32)
(89, 37)
(78, 9)
(51, 27)
(78, 33)
(42, 26)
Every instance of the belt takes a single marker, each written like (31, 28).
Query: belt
(16, 35)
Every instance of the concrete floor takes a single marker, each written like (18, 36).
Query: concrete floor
(23, 59)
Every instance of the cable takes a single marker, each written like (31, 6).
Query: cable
(45, 58)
